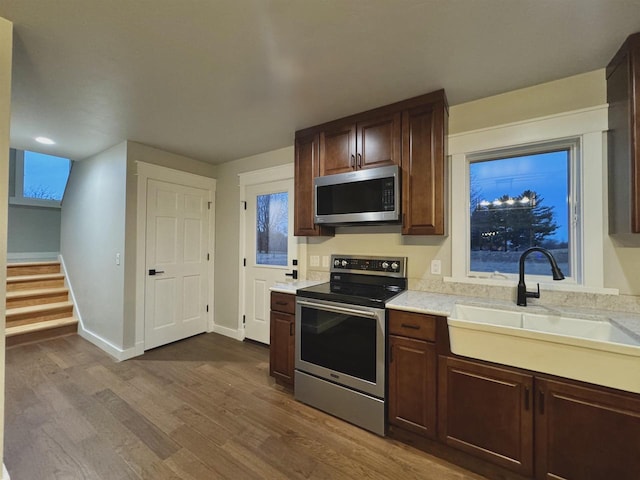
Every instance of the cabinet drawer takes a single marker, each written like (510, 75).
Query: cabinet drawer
(283, 302)
(412, 325)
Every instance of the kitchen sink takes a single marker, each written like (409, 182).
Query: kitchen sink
(588, 348)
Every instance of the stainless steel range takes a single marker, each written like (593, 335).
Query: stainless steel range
(340, 338)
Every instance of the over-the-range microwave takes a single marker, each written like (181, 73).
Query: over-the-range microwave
(363, 196)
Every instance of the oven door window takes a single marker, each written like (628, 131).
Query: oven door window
(341, 342)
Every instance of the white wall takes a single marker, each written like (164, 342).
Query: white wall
(33, 229)
(92, 233)
(6, 42)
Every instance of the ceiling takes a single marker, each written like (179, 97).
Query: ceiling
(218, 80)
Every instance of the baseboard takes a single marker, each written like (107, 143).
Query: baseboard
(229, 332)
(28, 256)
(5, 474)
(67, 283)
(116, 352)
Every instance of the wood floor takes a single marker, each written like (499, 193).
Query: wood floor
(202, 408)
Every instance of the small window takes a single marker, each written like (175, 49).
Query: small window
(518, 199)
(272, 217)
(39, 179)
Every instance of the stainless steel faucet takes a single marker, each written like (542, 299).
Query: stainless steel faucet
(522, 288)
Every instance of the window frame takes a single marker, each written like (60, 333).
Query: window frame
(589, 125)
(573, 146)
(18, 197)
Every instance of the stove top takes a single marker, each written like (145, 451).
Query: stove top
(366, 281)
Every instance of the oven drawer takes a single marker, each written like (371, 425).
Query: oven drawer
(412, 325)
(283, 302)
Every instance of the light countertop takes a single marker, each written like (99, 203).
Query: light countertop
(443, 304)
(293, 285)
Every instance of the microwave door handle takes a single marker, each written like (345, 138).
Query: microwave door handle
(331, 308)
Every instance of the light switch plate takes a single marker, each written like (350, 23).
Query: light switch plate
(436, 267)
(314, 261)
(325, 261)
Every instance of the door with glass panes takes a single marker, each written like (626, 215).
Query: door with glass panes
(269, 251)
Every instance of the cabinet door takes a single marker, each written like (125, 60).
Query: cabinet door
(281, 348)
(623, 96)
(586, 434)
(487, 411)
(423, 169)
(338, 149)
(412, 385)
(379, 141)
(307, 167)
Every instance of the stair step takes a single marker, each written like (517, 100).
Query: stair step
(25, 298)
(26, 282)
(21, 334)
(32, 268)
(38, 313)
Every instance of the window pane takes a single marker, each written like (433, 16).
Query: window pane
(517, 203)
(272, 229)
(45, 176)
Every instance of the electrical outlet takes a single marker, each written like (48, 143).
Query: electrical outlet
(436, 267)
(314, 261)
(325, 261)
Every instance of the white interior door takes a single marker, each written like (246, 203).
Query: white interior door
(176, 262)
(270, 250)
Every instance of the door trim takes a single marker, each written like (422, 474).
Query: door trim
(144, 172)
(255, 177)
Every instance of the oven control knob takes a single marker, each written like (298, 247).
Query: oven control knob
(394, 266)
(336, 263)
(344, 263)
(385, 265)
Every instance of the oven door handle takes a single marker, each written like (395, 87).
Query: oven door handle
(331, 308)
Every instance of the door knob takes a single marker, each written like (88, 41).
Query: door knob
(293, 274)
(153, 271)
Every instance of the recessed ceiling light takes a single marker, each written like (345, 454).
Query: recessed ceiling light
(45, 140)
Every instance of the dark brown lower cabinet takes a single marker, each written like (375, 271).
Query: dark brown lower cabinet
(282, 337)
(488, 412)
(412, 385)
(586, 434)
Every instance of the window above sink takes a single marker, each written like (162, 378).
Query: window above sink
(571, 145)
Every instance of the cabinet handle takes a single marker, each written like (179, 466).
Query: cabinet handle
(291, 329)
(541, 397)
(281, 303)
(412, 327)
(352, 162)
(359, 160)
(527, 394)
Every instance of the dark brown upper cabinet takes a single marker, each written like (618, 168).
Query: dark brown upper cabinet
(306, 168)
(371, 142)
(411, 134)
(623, 96)
(424, 136)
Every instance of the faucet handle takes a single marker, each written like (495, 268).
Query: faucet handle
(534, 294)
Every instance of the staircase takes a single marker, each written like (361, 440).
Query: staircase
(38, 305)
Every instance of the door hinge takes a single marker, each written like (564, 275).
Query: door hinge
(245, 205)
(244, 319)
(207, 308)
(207, 257)
(208, 205)
(244, 262)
